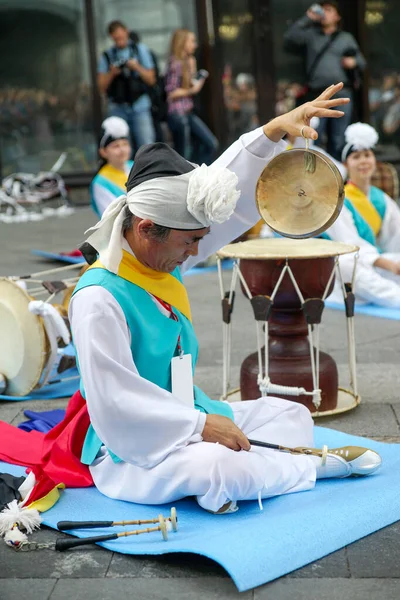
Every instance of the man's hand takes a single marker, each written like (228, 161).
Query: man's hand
(298, 119)
(114, 71)
(314, 16)
(132, 64)
(221, 430)
(349, 62)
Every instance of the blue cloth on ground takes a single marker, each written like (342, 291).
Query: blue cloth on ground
(56, 387)
(43, 420)
(71, 260)
(369, 309)
(255, 547)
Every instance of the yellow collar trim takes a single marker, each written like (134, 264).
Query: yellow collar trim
(162, 285)
(364, 207)
(115, 175)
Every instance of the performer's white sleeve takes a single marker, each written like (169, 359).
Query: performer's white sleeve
(137, 420)
(389, 235)
(101, 197)
(344, 230)
(247, 157)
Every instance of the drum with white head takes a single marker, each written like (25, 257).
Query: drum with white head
(32, 328)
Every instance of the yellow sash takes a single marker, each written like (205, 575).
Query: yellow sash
(115, 175)
(162, 285)
(364, 207)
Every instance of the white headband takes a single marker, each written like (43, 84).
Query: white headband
(193, 200)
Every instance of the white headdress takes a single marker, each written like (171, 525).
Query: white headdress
(167, 189)
(359, 136)
(113, 128)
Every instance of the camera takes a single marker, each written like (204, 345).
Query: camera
(120, 64)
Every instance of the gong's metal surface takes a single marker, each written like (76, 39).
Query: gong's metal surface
(300, 193)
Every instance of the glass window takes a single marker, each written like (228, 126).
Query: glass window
(381, 20)
(45, 95)
(234, 28)
(289, 66)
(153, 21)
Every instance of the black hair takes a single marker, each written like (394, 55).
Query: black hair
(114, 25)
(157, 232)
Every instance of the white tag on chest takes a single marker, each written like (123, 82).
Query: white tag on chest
(182, 378)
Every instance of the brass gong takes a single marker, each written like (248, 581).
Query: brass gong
(300, 193)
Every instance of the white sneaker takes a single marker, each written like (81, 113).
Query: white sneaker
(348, 461)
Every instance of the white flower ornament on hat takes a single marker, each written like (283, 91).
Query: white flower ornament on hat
(212, 195)
(115, 126)
(361, 136)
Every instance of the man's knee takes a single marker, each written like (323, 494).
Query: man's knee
(301, 413)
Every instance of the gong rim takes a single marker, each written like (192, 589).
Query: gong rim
(271, 184)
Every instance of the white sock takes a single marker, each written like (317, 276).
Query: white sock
(333, 467)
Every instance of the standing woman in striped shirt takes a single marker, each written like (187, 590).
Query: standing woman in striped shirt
(192, 138)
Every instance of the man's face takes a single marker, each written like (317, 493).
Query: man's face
(120, 37)
(163, 255)
(172, 253)
(331, 15)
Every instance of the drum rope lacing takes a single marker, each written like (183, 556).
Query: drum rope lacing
(265, 385)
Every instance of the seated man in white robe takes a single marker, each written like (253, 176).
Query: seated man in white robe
(154, 437)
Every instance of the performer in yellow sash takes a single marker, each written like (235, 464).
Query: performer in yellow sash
(114, 150)
(370, 219)
(153, 436)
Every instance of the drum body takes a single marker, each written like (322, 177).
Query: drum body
(287, 282)
(289, 350)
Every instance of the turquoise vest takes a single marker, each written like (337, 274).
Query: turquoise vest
(109, 185)
(154, 344)
(377, 198)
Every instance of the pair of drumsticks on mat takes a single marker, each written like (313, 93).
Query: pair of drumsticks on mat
(164, 524)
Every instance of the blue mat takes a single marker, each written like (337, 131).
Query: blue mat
(226, 264)
(256, 547)
(369, 309)
(72, 260)
(55, 388)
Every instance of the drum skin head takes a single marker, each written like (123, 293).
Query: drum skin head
(296, 202)
(283, 248)
(22, 340)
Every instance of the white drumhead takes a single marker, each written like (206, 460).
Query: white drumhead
(22, 340)
(281, 248)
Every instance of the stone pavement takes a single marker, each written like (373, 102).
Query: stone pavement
(368, 569)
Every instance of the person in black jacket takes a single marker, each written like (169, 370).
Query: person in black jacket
(125, 73)
(331, 55)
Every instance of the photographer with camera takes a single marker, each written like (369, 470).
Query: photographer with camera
(125, 73)
(331, 54)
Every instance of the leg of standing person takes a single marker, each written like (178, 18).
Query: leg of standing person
(205, 143)
(337, 127)
(179, 127)
(142, 128)
(124, 111)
